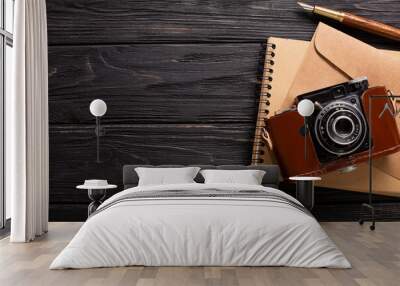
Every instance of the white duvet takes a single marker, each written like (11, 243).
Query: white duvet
(193, 231)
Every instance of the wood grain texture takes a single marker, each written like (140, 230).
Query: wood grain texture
(73, 151)
(132, 21)
(170, 21)
(374, 257)
(181, 80)
(156, 83)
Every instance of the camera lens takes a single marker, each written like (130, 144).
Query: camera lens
(340, 128)
(343, 126)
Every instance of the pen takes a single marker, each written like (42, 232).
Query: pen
(354, 21)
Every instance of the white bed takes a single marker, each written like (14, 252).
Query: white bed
(206, 230)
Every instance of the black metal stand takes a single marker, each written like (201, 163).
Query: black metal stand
(97, 196)
(98, 139)
(305, 193)
(372, 209)
(369, 205)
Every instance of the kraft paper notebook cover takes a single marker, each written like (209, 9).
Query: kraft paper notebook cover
(288, 59)
(282, 60)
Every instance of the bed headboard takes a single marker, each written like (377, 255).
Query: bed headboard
(271, 177)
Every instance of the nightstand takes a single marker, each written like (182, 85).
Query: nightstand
(305, 190)
(96, 195)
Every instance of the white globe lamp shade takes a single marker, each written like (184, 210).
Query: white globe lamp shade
(98, 107)
(305, 107)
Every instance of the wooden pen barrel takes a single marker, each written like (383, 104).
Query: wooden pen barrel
(371, 26)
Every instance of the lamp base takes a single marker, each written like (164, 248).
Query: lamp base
(372, 209)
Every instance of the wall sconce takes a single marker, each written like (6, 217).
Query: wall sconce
(98, 108)
(305, 108)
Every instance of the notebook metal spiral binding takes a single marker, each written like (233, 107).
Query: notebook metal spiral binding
(261, 141)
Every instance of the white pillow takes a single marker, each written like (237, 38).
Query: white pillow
(247, 177)
(166, 176)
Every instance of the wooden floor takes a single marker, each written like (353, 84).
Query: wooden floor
(375, 257)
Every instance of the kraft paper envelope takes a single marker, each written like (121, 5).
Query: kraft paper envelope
(334, 57)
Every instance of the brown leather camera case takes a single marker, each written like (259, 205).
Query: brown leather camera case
(288, 141)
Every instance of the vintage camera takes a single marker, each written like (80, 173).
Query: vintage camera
(337, 132)
(339, 126)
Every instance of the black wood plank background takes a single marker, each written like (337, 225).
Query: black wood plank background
(181, 81)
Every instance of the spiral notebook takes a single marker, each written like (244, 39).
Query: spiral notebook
(283, 60)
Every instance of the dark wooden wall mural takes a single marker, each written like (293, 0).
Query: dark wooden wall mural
(181, 82)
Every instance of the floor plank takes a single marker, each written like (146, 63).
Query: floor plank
(375, 257)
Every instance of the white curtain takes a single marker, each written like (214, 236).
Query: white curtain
(27, 124)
